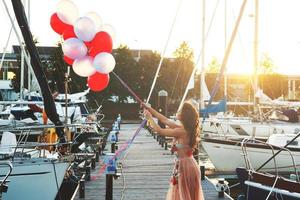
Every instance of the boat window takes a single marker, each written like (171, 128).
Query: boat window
(294, 143)
(83, 109)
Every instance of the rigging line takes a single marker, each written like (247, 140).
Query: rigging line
(164, 51)
(228, 50)
(171, 97)
(122, 149)
(6, 45)
(128, 88)
(200, 55)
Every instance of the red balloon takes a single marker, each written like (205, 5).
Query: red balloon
(98, 82)
(68, 60)
(101, 43)
(69, 33)
(57, 25)
(88, 44)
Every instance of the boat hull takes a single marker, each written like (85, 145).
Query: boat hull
(227, 155)
(259, 186)
(245, 127)
(34, 179)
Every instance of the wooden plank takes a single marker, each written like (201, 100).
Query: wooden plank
(146, 171)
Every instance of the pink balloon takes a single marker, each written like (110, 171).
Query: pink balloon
(84, 66)
(98, 82)
(74, 48)
(104, 63)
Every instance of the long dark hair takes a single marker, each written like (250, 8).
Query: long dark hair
(190, 120)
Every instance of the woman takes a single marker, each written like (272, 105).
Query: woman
(185, 182)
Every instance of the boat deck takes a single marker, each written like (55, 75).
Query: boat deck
(146, 172)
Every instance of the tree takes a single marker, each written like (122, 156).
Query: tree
(55, 72)
(175, 73)
(146, 69)
(214, 66)
(126, 69)
(266, 65)
(184, 52)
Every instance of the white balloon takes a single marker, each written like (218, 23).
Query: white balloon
(104, 62)
(84, 66)
(110, 30)
(67, 11)
(74, 48)
(84, 29)
(96, 19)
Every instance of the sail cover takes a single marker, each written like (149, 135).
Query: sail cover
(220, 107)
(49, 104)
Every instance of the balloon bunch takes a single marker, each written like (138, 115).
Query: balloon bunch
(87, 43)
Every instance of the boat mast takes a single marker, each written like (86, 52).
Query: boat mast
(225, 44)
(227, 53)
(255, 57)
(29, 69)
(22, 69)
(49, 104)
(202, 72)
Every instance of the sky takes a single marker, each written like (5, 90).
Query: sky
(146, 24)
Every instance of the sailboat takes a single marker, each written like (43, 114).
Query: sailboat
(32, 177)
(227, 140)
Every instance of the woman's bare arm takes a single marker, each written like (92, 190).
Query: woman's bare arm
(168, 132)
(162, 118)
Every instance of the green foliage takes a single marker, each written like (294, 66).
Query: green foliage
(214, 66)
(266, 65)
(15, 81)
(184, 52)
(146, 69)
(175, 75)
(126, 69)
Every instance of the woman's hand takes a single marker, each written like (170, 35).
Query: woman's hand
(145, 105)
(147, 114)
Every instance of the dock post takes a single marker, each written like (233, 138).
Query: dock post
(110, 172)
(113, 147)
(221, 188)
(202, 170)
(97, 156)
(88, 173)
(93, 163)
(163, 109)
(162, 142)
(109, 187)
(81, 188)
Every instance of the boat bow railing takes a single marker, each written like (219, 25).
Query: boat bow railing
(272, 147)
(3, 186)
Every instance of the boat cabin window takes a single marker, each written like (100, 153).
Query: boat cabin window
(294, 143)
(83, 109)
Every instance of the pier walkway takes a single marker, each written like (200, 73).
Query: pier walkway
(147, 169)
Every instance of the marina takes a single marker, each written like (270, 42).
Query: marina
(93, 116)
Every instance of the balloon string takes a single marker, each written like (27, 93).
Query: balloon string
(128, 88)
(120, 153)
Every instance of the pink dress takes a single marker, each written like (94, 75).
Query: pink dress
(186, 181)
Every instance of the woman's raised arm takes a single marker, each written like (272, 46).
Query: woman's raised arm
(168, 132)
(163, 119)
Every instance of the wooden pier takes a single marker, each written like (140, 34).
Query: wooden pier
(146, 171)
